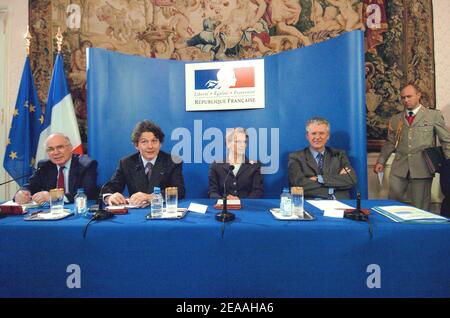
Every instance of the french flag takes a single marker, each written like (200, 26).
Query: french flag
(59, 113)
(243, 77)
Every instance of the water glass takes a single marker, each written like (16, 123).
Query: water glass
(297, 201)
(171, 199)
(57, 200)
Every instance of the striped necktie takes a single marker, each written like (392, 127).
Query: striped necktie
(148, 170)
(320, 163)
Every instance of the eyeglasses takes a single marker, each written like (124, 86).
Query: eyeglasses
(57, 148)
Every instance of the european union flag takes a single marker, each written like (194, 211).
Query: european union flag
(25, 129)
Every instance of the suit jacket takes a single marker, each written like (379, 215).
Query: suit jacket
(131, 173)
(412, 140)
(302, 166)
(82, 174)
(445, 188)
(248, 182)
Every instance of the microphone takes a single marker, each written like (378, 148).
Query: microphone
(21, 177)
(101, 213)
(357, 214)
(225, 216)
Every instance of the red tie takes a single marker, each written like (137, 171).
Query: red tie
(410, 118)
(60, 183)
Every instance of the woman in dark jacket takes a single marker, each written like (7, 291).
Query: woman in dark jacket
(244, 176)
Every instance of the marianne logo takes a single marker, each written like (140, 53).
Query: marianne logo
(225, 85)
(225, 78)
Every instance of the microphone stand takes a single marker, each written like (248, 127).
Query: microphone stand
(225, 216)
(100, 214)
(21, 177)
(357, 214)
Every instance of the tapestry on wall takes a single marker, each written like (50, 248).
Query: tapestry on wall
(235, 29)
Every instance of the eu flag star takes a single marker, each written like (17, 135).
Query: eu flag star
(26, 126)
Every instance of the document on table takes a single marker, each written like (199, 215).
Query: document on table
(24, 206)
(330, 208)
(404, 213)
(229, 202)
(128, 206)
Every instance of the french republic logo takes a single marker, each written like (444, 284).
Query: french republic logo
(225, 78)
(225, 85)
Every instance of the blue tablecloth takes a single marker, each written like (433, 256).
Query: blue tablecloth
(253, 256)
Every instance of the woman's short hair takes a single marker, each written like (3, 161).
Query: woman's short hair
(231, 132)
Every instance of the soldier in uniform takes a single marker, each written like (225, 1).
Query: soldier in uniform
(410, 132)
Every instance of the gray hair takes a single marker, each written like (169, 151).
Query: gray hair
(318, 121)
(58, 134)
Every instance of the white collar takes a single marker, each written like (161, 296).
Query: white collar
(415, 110)
(66, 165)
(153, 161)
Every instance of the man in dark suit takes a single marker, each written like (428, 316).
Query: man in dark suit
(445, 188)
(143, 171)
(62, 170)
(323, 172)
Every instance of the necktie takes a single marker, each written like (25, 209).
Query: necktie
(320, 163)
(60, 182)
(410, 118)
(148, 170)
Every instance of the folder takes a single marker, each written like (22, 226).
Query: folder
(434, 157)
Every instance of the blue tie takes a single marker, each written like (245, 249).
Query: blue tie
(320, 163)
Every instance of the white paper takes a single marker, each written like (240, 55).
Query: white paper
(10, 203)
(25, 206)
(229, 202)
(329, 204)
(198, 208)
(380, 177)
(126, 206)
(330, 208)
(334, 213)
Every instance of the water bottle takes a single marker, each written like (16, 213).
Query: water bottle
(156, 208)
(81, 202)
(286, 203)
(297, 201)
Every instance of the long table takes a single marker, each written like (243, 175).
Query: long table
(253, 256)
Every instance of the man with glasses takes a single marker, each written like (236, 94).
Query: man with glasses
(140, 172)
(322, 171)
(62, 169)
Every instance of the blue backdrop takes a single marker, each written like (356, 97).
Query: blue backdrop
(325, 79)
